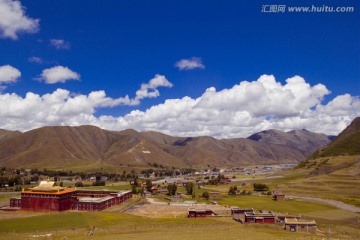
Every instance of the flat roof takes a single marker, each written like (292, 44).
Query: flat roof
(258, 214)
(244, 209)
(49, 193)
(94, 200)
(299, 222)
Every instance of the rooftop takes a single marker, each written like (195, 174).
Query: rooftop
(94, 200)
(47, 187)
(60, 192)
(299, 222)
(260, 214)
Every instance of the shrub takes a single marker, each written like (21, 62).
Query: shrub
(260, 187)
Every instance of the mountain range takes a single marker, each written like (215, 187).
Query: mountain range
(90, 147)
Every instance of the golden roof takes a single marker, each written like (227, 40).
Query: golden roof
(47, 187)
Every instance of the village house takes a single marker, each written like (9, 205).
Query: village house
(199, 213)
(259, 217)
(236, 210)
(278, 195)
(295, 225)
(281, 217)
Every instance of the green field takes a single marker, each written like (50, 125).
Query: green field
(109, 225)
(114, 224)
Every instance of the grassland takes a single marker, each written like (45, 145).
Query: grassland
(341, 184)
(114, 224)
(109, 225)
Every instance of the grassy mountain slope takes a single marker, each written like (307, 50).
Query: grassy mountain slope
(347, 143)
(333, 171)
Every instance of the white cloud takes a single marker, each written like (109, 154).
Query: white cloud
(60, 44)
(190, 64)
(62, 107)
(149, 90)
(14, 21)
(36, 60)
(244, 109)
(9, 74)
(58, 74)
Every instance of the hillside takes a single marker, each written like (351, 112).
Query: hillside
(304, 141)
(348, 142)
(5, 134)
(331, 172)
(89, 147)
(331, 158)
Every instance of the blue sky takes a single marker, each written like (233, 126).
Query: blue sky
(119, 46)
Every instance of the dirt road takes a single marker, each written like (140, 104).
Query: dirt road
(334, 203)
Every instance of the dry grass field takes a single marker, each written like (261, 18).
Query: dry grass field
(153, 220)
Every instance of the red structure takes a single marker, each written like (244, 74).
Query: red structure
(199, 213)
(47, 197)
(15, 202)
(259, 217)
(47, 200)
(98, 200)
(237, 210)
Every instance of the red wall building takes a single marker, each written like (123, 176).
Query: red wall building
(47, 200)
(264, 217)
(47, 197)
(237, 210)
(98, 200)
(199, 213)
(15, 202)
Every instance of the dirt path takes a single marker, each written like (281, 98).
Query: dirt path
(334, 203)
(153, 201)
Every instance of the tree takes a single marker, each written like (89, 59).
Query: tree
(213, 181)
(172, 189)
(206, 195)
(134, 189)
(189, 188)
(79, 184)
(232, 191)
(98, 183)
(260, 187)
(148, 185)
(136, 182)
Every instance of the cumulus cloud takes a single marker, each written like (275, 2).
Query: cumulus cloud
(9, 74)
(63, 107)
(60, 44)
(149, 90)
(13, 20)
(190, 64)
(58, 74)
(246, 108)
